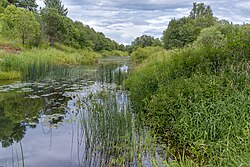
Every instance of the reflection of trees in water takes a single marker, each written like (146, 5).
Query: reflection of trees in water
(15, 110)
(17, 113)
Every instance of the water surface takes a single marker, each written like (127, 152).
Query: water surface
(70, 117)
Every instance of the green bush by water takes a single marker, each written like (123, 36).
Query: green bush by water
(197, 99)
(141, 54)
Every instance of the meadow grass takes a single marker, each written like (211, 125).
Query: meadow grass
(10, 75)
(196, 99)
(39, 61)
(141, 54)
(106, 53)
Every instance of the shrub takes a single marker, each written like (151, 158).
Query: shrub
(196, 99)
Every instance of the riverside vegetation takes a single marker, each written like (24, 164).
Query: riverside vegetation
(46, 38)
(195, 95)
(188, 92)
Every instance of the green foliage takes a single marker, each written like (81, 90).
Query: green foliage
(9, 75)
(21, 24)
(3, 5)
(145, 40)
(53, 25)
(57, 5)
(39, 61)
(180, 33)
(200, 10)
(106, 53)
(141, 54)
(185, 30)
(27, 4)
(196, 99)
(210, 37)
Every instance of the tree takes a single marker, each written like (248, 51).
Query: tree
(56, 4)
(52, 24)
(21, 24)
(146, 40)
(200, 10)
(28, 4)
(3, 5)
(181, 32)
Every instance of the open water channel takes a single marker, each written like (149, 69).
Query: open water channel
(72, 117)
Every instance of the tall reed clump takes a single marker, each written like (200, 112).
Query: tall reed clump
(108, 133)
(197, 99)
(39, 61)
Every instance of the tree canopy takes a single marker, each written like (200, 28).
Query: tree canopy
(56, 4)
(20, 23)
(183, 31)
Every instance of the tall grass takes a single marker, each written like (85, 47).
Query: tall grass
(141, 54)
(39, 61)
(9, 75)
(197, 99)
(108, 134)
(106, 53)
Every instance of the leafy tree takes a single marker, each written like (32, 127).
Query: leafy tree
(21, 24)
(3, 5)
(52, 25)
(145, 40)
(56, 4)
(180, 33)
(184, 31)
(200, 10)
(28, 4)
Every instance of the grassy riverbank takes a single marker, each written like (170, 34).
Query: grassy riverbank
(196, 99)
(13, 64)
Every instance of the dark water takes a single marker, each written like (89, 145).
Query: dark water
(72, 117)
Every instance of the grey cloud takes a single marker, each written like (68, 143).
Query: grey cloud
(124, 20)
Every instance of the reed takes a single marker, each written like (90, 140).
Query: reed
(40, 61)
(196, 99)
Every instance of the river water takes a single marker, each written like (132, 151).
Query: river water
(71, 117)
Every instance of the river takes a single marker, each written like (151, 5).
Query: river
(71, 117)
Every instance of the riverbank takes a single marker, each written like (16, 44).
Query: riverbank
(196, 99)
(14, 65)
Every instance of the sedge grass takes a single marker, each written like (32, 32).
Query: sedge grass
(40, 61)
(196, 100)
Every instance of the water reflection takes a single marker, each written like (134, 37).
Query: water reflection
(44, 113)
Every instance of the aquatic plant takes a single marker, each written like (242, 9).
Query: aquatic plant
(39, 62)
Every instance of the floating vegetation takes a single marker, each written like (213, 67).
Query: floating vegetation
(97, 108)
(108, 132)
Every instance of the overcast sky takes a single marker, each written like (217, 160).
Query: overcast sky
(124, 20)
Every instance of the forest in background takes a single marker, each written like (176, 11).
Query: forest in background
(191, 87)
(22, 21)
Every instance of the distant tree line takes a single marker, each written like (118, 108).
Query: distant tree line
(183, 31)
(21, 20)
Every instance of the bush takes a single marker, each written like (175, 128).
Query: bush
(196, 99)
(141, 54)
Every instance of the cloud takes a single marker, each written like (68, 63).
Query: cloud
(124, 20)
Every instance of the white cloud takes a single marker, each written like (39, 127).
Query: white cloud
(124, 20)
